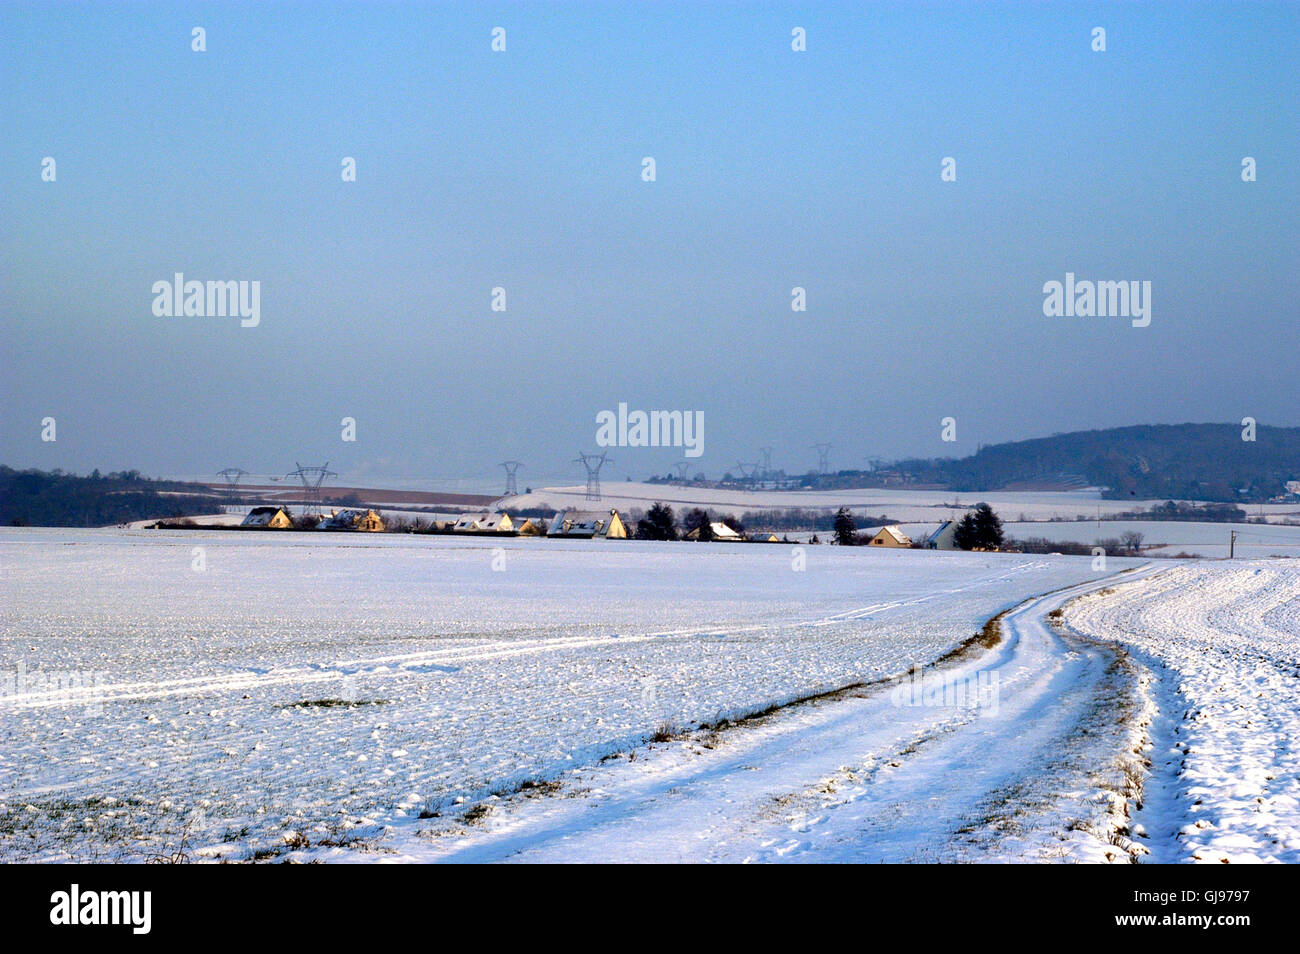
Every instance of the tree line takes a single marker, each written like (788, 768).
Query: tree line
(36, 498)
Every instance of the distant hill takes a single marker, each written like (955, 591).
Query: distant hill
(35, 498)
(1166, 461)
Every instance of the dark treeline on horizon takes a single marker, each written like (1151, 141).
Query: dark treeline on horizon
(54, 499)
(1199, 462)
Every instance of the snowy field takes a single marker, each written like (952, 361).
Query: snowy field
(1157, 722)
(244, 693)
(1221, 643)
(1168, 537)
(912, 506)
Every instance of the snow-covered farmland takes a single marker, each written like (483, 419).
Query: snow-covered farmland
(908, 505)
(1221, 643)
(1170, 537)
(243, 690)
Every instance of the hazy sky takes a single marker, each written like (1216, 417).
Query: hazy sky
(523, 169)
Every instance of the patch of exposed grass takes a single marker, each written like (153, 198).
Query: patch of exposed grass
(988, 637)
(331, 703)
(663, 733)
(533, 789)
(477, 813)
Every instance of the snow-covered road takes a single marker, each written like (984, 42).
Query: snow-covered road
(1023, 767)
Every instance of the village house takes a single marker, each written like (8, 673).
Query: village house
(763, 536)
(721, 533)
(484, 523)
(364, 520)
(891, 537)
(584, 525)
(270, 518)
(942, 538)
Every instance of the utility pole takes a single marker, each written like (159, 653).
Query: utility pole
(1232, 543)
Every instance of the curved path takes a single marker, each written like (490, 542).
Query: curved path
(1010, 755)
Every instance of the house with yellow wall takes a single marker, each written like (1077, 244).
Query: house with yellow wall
(586, 525)
(484, 523)
(268, 518)
(891, 537)
(366, 521)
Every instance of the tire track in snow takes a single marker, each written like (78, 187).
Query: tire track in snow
(1219, 642)
(857, 778)
(454, 656)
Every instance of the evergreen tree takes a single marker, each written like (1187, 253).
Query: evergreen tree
(846, 530)
(657, 524)
(965, 536)
(980, 529)
(988, 527)
(696, 519)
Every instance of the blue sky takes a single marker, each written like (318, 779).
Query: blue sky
(522, 169)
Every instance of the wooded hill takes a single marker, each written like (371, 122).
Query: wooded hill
(1165, 461)
(38, 498)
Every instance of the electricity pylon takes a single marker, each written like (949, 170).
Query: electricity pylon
(312, 478)
(593, 465)
(511, 466)
(823, 457)
(231, 476)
